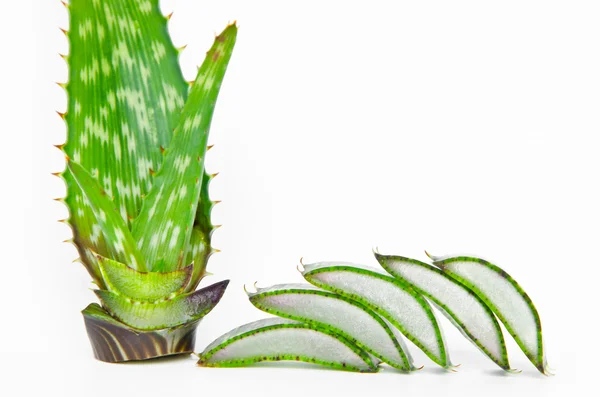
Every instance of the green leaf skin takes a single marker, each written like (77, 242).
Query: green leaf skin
(165, 314)
(505, 297)
(467, 312)
(275, 339)
(119, 242)
(165, 223)
(143, 286)
(341, 315)
(125, 95)
(393, 300)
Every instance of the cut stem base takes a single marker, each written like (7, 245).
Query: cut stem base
(115, 342)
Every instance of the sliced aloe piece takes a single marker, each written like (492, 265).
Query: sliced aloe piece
(394, 300)
(505, 297)
(342, 315)
(276, 339)
(164, 314)
(462, 307)
(140, 286)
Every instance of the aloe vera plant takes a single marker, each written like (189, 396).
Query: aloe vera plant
(342, 315)
(137, 191)
(276, 339)
(505, 298)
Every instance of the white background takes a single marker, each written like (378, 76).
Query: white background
(452, 126)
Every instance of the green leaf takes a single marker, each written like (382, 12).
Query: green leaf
(166, 220)
(125, 94)
(199, 247)
(139, 286)
(118, 239)
(165, 314)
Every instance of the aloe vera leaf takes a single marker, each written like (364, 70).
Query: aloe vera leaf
(166, 313)
(118, 239)
(199, 247)
(276, 339)
(342, 315)
(125, 94)
(505, 297)
(143, 286)
(166, 219)
(394, 300)
(469, 313)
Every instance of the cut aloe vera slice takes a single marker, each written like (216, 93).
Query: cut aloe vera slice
(141, 286)
(462, 307)
(394, 300)
(165, 314)
(276, 339)
(505, 297)
(342, 315)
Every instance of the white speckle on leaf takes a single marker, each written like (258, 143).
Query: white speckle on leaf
(181, 163)
(174, 237)
(158, 51)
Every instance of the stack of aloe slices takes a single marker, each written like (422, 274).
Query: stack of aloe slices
(137, 190)
(369, 312)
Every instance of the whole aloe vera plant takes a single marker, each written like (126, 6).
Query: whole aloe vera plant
(137, 191)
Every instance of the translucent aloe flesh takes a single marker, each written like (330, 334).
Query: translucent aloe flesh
(126, 95)
(506, 299)
(163, 314)
(390, 298)
(344, 316)
(277, 339)
(461, 306)
(143, 286)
